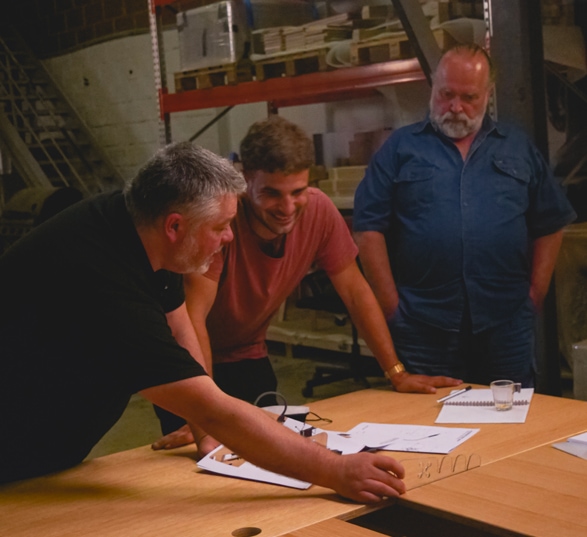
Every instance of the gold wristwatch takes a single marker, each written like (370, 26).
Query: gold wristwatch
(397, 368)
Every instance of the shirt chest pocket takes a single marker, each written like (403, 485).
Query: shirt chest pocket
(512, 179)
(414, 189)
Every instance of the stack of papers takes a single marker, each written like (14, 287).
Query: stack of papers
(267, 40)
(476, 406)
(576, 445)
(415, 438)
(412, 438)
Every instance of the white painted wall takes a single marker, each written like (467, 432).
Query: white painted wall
(112, 87)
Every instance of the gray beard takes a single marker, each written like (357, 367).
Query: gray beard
(202, 269)
(456, 126)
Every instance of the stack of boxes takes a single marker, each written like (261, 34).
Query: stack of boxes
(223, 33)
(344, 157)
(218, 34)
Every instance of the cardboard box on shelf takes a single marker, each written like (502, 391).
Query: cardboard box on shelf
(332, 148)
(348, 148)
(212, 35)
(346, 179)
(365, 144)
(342, 182)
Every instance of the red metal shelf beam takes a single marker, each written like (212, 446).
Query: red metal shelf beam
(339, 84)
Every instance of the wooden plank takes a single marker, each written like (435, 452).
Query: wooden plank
(300, 63)
(376, 50)
(539, 493)
(211, 77)
(390, 48)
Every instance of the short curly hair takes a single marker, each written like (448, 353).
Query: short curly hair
(276, 145)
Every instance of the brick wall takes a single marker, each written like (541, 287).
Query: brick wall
(53, 27)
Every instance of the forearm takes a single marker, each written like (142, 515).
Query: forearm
(261, 440)
(367, 316)
(185, 335)
(544, 255)
(247, 430)
(200, 295)
(204, 341)
(371, 325)
(276, 448)
(375, 263)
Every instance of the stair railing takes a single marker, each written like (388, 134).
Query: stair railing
(44, 130)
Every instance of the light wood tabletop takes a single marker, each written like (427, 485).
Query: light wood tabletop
(549, 419)
(142, 492)
(541, 492)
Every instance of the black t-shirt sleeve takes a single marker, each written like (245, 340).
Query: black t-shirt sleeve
(170, 289)
(141, 344)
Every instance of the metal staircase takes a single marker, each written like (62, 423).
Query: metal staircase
(45, 141)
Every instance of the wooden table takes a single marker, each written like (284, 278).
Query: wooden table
(549, 419)
(541, 492)
(141, 492)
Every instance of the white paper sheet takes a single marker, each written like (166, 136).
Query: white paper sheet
(247, 471)
(417, 438)
(463, 408)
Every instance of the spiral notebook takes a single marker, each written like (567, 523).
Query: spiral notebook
(576, 445)
(476, 406)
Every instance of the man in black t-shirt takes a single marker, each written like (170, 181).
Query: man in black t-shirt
(92, 310)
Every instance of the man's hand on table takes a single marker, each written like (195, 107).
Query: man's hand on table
(182, 437)
(408, 383)
(368, 477)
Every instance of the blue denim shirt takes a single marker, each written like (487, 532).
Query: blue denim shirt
(460, 230)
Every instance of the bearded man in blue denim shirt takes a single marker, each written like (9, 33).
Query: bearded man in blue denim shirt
(459, 222)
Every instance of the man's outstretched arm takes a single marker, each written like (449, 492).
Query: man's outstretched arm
(261, 440)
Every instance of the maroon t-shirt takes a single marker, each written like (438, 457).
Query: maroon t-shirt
(253, 285)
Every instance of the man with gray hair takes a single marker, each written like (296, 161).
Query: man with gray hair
(93, 311)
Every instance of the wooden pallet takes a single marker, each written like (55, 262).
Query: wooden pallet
(377, 50)
(299, 63)
(210, 77)
(390, 48)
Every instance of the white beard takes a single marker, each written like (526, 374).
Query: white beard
(456, 126)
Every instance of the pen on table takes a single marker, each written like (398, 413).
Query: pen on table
(451, 395)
